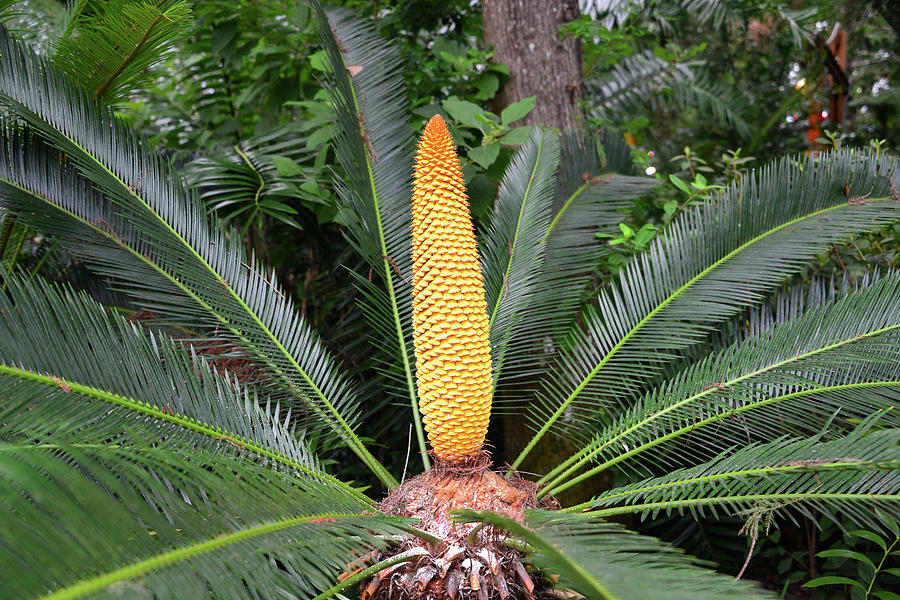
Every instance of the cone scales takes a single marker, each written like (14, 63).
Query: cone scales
(450, 325)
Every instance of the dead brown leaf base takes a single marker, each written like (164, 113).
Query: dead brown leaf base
(471, 562)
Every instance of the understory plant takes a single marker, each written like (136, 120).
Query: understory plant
(707, 376)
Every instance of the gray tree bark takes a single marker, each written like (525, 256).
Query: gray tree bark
(525, 36)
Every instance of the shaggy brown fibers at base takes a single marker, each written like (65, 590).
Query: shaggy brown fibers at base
(471, 562)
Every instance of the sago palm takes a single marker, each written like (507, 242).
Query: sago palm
(132, 469)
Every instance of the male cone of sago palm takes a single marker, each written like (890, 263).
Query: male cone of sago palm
(450, 324)
(453, 361)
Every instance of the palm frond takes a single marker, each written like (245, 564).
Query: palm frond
(711, 263)
(645, 81)
(514, 247)
(160, 246)
(108, 47)
(604, 561)
(7, 11)
(153, 518)
(65, 361)
(791, 302)
(723, 14)
(851, 475)
(587, 202)
(374, 147)
(243, 183)
(843, 357)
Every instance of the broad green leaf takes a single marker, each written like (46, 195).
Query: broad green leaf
(844, 553)
(833, 580)
(871, 536)
(485, 155)
(517, 136)
(517, 110)
(286, 166)
(487, 85)
(465, 112)
(680, 183)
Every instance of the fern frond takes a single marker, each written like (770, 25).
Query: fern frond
(159, 245)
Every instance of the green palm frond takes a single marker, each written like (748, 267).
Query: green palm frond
(604, 561)
(514, 247)
(851, 475)
(7, 11)
(791, 302)
(65, 360)
(647, 83)
(109, 46)
(789, 379)
(159, 245)
(587, 201)
(374, 146)
(724, 14)
(129, 467)
(711, 263)
(156, 519)
(243, 182)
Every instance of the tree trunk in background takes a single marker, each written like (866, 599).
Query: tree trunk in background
(525, 36)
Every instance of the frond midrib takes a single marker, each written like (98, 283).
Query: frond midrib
(112, 76)
(565, 207)
(791, 497)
